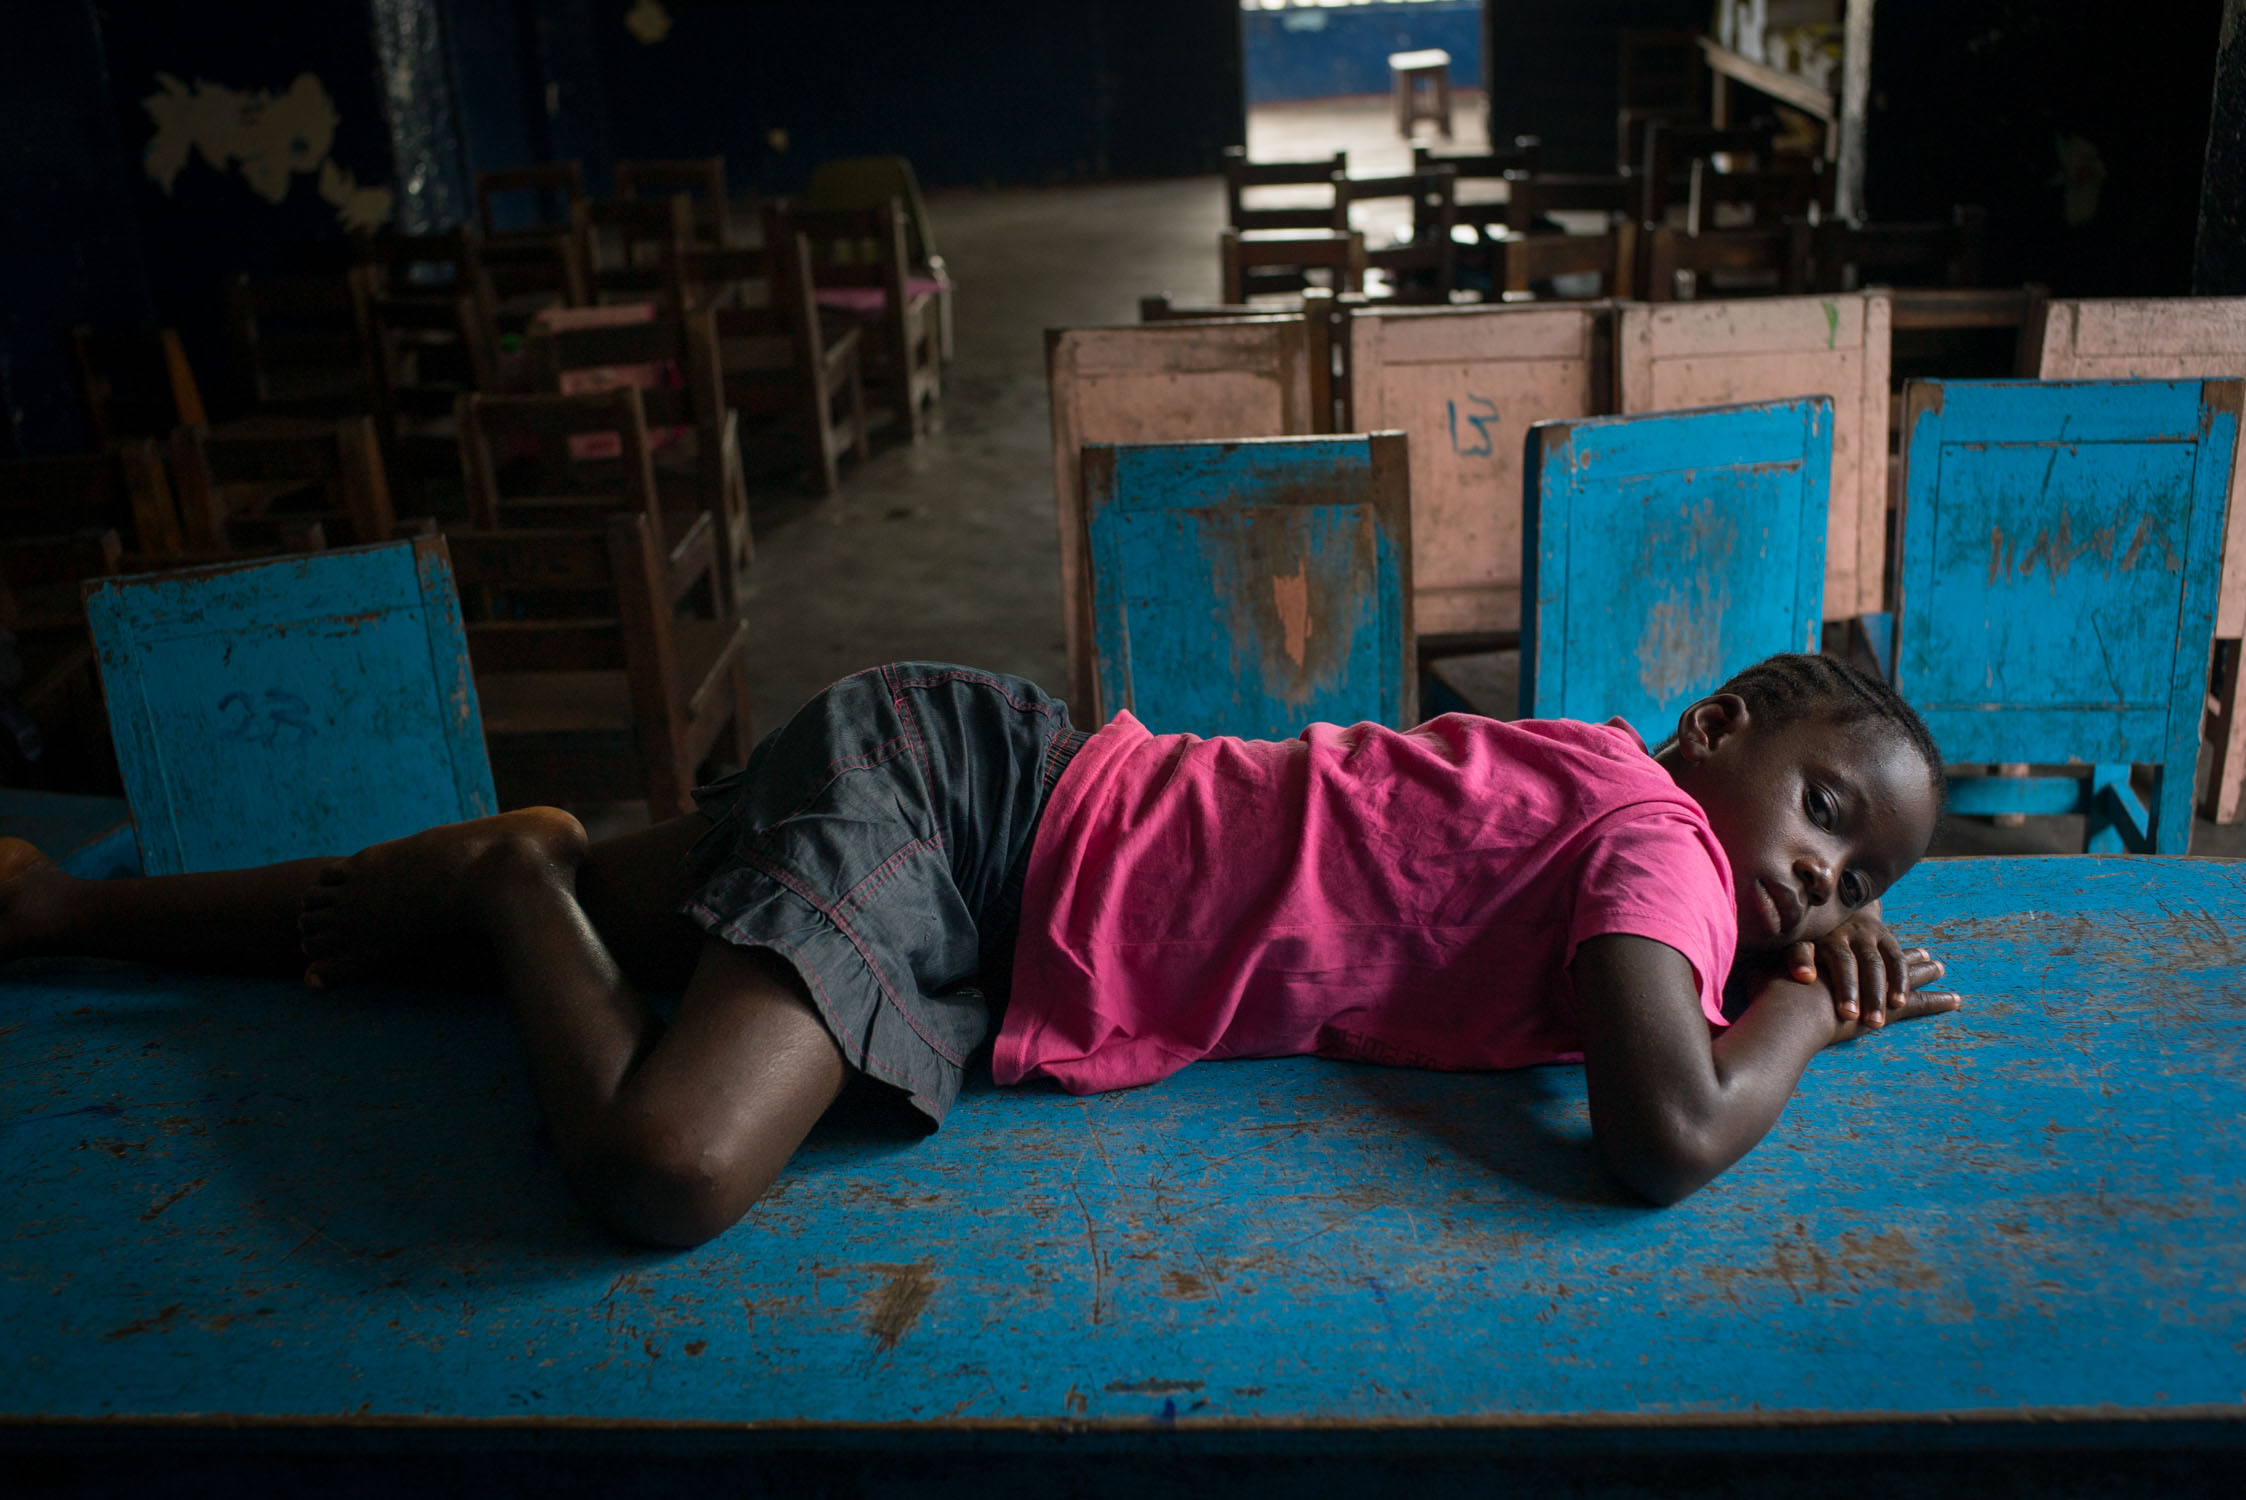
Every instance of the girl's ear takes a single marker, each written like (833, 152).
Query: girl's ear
(1709, 723)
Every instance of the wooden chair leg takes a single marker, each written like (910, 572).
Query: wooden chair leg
(2225, 734)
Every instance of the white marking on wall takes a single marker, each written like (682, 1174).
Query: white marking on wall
(270, 139)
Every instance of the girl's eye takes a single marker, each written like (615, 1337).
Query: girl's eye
(1821, 807)
(1852, 889)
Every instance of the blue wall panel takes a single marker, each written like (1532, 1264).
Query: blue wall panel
(1323, 53)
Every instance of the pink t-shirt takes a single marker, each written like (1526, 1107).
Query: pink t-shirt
(1409, 898)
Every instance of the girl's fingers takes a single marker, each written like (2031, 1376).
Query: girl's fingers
(1894, 969)
(1871, 984)
(1846, 994)
(1801, 962)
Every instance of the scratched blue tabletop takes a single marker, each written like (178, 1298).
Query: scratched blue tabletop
(236, 1201)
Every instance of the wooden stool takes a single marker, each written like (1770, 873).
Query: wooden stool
(1406, 72)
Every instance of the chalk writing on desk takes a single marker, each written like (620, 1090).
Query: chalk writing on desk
(2057, 548)
(260, 721)
(1479, 442)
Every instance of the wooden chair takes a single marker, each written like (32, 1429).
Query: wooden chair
(1464, 384)
(255, 489)
(1769, 261)
(1662, 78)
(556, 187)
(1241, 176)
(431, 316)
(124, 488)
(701, 178)
(861, 269)
(302, 347)
(1529, 265)
(2062, 548)
(2172, 338)
(300, 706)
(779, 361)
(1424, 267)
(579, 655)
(64, 521)
(1848, 254)
(1479, 204)
(133, 385)
(868, 182)
(1419, 85)
(1661, 554)
(53, 734)
(1167, 382)
(697, 465)
(1252, 587)
(1664, 176)
(1532, 198)
(1259, 261)
(536, 265)
(1738, 200)
(1686, 354)
(633, 249)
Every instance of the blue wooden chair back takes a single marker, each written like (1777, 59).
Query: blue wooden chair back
(2061, 547)
(1250, 588)
(1660, 554)
(291, 707)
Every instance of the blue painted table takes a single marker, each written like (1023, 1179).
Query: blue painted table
(240, 1214)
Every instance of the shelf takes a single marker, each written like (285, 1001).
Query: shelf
(1786, 88)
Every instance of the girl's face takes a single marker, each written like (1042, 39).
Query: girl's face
(1818, 820)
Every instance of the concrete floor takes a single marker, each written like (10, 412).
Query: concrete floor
(946, 549)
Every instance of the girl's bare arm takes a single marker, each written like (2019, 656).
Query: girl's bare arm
(1672, 1106)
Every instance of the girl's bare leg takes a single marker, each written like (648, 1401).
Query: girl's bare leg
(668, 1134)
(246, 921)
(234, 921)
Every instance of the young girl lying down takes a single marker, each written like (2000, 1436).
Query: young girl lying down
(926, 854)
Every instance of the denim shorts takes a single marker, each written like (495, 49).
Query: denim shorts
(877, 842)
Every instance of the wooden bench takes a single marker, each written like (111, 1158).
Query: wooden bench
(2176, 338)
(1661, 554)
(288, 708)
(1295, 606)
(2021, 645)
(1687, 354)
(1464, 385)
(1166, 382)
(255, 1239)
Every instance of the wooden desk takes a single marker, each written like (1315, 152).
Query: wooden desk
(242, 1219)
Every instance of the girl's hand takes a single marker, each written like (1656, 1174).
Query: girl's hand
(1870, 974)
(1913, 1003)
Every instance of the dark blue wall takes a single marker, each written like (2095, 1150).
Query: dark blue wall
(1006, 91)
(1321, 53)
(70, 246)
(1554, 69)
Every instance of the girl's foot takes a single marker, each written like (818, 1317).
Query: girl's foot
(30, 888)
(366, 913)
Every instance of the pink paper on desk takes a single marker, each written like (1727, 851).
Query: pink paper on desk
(866, 299)
(661, 374)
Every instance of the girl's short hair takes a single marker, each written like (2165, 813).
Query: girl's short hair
(1800, 685)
